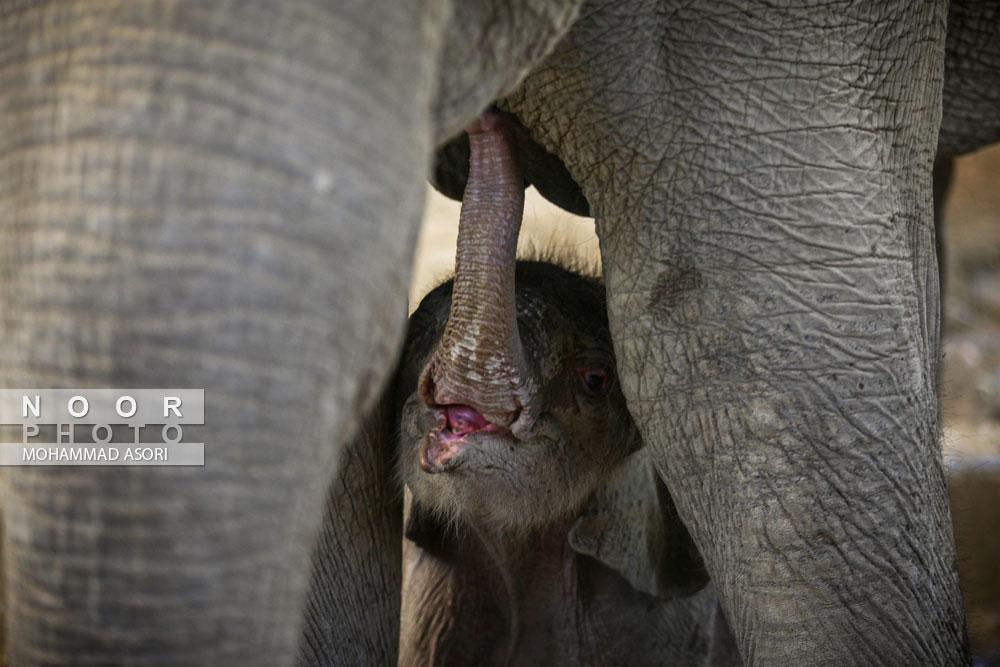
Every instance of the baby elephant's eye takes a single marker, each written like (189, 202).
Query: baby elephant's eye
(593, 380)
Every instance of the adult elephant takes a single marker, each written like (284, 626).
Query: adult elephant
(227, 195)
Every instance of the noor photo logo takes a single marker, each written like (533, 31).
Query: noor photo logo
(101, 426)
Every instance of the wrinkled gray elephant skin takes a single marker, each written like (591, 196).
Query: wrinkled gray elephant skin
(210, 195)
(560, 547)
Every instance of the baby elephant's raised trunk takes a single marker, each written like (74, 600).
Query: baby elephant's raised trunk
(480, 362)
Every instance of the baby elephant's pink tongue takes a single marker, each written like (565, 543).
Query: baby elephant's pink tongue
(464, 419)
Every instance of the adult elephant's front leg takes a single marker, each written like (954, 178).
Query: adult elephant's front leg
(761, 179)
(778, 336)
(215, 196)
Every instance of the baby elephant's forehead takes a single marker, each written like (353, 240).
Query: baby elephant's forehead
(541, 312)
(572, 294)
(534, 305)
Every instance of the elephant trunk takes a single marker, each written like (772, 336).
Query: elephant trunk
(480, 362)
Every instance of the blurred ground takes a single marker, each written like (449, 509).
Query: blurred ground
(970, 381)
(970, 387)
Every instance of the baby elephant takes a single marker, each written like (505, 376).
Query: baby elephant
(556, 547)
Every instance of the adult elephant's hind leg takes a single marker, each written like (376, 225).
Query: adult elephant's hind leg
(777, 333)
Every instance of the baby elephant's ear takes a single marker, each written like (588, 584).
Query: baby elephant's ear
(630, 525)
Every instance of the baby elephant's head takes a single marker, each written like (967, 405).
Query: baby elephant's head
(460, 463)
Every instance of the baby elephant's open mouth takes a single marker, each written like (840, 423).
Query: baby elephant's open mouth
(439, 452)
